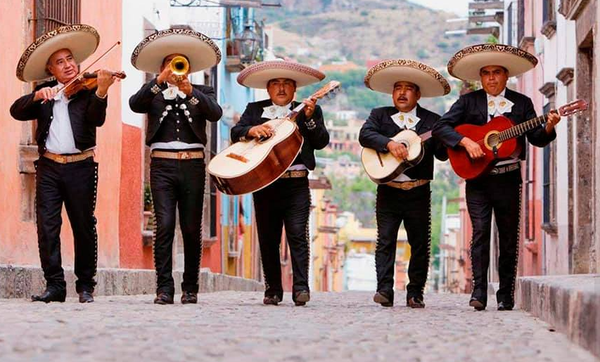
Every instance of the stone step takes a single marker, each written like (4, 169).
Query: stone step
(570, 303)
(23, 281)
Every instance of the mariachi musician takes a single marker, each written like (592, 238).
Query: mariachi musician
(285, 202)
(176, 133)
(66, 136)
(499, 191)
(408, 197)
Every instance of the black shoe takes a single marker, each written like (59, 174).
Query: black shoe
(383, 299)
(505, 306)
(86, 297)
(301, 297)
(189, 298)
(163, 298)
(415, 302)
(476, 303)
(271, 300)
(50, 295)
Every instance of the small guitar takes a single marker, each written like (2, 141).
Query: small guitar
(384, 167)
(498, 140)
(246, 167)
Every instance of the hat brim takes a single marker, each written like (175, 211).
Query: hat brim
(259, 74)
(199, 49)
(466, 63)
(383, 76)
(82, 40)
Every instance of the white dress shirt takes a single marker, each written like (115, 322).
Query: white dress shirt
(60, 136)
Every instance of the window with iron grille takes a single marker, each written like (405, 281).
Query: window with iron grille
(50, 14)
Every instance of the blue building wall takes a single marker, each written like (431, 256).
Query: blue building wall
(233, 98)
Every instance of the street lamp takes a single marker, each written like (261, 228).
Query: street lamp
(247, 44)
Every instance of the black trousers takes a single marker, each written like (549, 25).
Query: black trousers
(177, 184)
(73, 184)
(392, 208)
(500, 194)
(286, 202)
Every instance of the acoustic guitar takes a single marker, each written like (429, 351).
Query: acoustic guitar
(384, 167)
(498, 140)
(249, 166)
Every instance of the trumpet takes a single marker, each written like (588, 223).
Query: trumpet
(179, 66)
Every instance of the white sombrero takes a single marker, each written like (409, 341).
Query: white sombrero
(382, 77)
(82, 40)
(200, 50)
(259, 74)
(466, 63)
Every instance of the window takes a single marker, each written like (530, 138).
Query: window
(521, 22)
(50, 14)
(549, 182)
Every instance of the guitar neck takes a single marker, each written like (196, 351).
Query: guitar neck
(522, 128)
(294, 112)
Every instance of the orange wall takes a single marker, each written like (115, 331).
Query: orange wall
(18, 241)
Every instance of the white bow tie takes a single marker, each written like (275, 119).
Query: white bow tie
(499, 105)
(172, 92)
(275, 111)
(405, 120)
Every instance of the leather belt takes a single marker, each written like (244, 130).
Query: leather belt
(181, 155)
(68, 158)
(505, 168)
(294, 174)
(407, 185)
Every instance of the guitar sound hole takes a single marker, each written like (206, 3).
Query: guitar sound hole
(493, 140)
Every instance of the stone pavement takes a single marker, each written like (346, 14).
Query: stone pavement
(235, 326)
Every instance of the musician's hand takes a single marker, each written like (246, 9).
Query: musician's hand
(45, 94)
(185, 86)
(309, 109)
(164, 76)
(398, 150)
(552, 121)
(263, 130)
(472, 147)
(105, 80)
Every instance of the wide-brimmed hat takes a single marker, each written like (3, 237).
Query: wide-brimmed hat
(466, 63)
(382, 77)
(199, 49)
(82, 40)
(259, 74)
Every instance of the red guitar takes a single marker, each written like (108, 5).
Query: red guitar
(498, 140)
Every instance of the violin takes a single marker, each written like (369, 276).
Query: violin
(87, 81)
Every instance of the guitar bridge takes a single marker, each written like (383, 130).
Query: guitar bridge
(237, 157)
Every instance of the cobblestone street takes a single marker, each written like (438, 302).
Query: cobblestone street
(235, 326)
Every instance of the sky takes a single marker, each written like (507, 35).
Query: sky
(459, 7)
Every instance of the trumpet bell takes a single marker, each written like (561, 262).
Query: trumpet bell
(179, 65)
